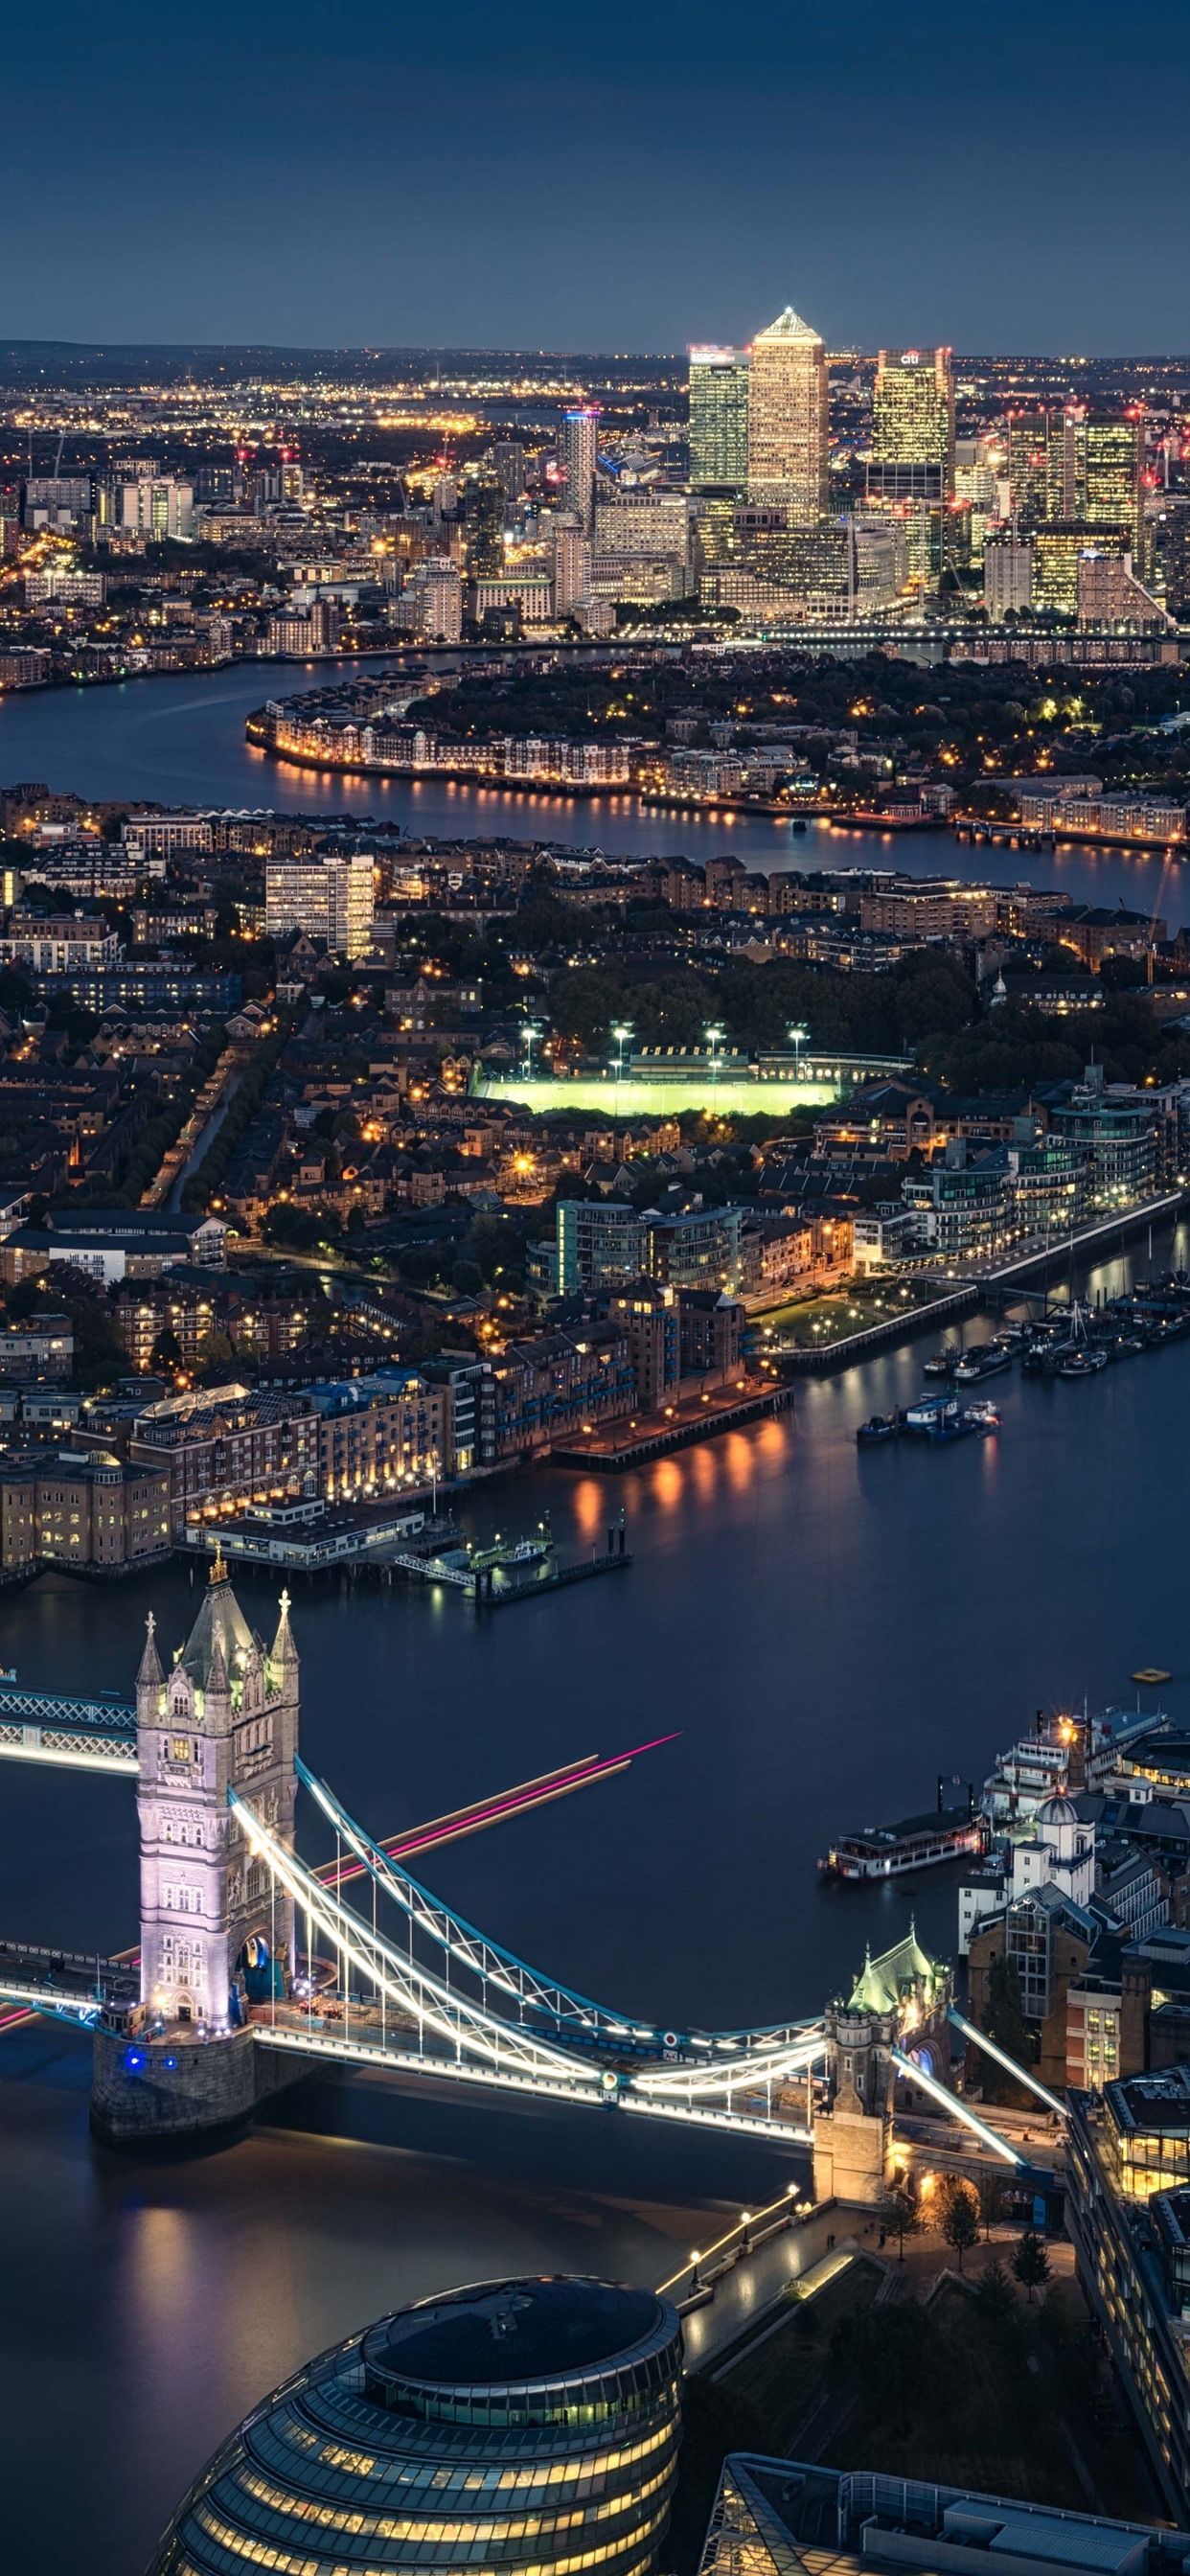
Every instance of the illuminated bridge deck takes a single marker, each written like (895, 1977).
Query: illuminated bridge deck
(77, 1734)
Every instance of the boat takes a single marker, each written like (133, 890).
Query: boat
(941, 1418)
(929, 1411)
(941, 1364)
(916, 1842)
(877, 1428)
(985, 1359)
(522, 1551)
(1080, 1363)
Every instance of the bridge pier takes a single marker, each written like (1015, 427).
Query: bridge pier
(153, 2092)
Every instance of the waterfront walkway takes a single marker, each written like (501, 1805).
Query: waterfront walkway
(613, 1446)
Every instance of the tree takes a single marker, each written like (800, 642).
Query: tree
(959, 2217)
(166, 1353)
(900, 2215)
(1031, 2263)
(990, 2192)
(996, 2297)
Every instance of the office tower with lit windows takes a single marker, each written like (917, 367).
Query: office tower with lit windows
(1036, 466)
(719, 420)
(911, 468)
(571, 564)
(1109, 475)
(912, 418)
(1056, 551)
(580, 456)
(788, 436)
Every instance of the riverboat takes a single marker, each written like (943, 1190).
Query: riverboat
(878, 1428)
(984, 1359)
(917, 1842)
(941, 1418)
(1081, 1363)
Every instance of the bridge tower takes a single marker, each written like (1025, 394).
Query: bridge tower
(900, 2000)
(226, 1716)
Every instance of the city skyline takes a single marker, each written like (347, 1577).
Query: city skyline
(362, 188)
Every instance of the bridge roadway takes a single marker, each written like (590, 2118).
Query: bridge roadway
(71, 1734)
(73, 1985)
(366, 2039)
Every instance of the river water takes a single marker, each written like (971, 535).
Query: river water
(824, 1630)
(181, 741)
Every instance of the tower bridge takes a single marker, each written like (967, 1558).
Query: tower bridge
(253, 1964)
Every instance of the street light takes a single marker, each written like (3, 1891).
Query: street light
(714, 1033)
(797, 1035)
(533, 1030)
(621, 1031)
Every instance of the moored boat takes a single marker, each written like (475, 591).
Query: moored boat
(916, 1842)
(878, 1428)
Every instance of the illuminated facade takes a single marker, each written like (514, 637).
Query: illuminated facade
(225, 1717)
(1128, 2212)
(527, 2425)
(913, 412)
(788, 437)
(1056, 550)
(331, 899)
(580, 456)
(1108, 458)
(719, 420)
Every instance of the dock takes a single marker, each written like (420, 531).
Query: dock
(492, 1586)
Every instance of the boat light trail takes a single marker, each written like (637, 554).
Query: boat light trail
(497, 1810)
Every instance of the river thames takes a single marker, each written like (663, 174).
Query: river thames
(826, 1630)
(180, 741)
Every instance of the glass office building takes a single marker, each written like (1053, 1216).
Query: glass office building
(718, 420)
(528, 2425)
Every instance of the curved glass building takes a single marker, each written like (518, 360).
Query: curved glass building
(520, 2428)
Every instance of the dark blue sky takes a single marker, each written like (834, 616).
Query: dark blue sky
(624, 177)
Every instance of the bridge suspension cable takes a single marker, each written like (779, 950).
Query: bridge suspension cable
(426, 2002)
(710, 2060)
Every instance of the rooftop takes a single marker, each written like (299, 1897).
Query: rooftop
(499, 2331)
(782, 2518)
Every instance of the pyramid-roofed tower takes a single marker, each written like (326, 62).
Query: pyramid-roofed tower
(788, 428)
(790, 326)
(221, 1623)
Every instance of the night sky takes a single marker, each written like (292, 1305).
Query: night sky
(627, 177)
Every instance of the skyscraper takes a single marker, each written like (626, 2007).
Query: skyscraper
(1108, 475)
(913, 413)
(580, 435)
(787, 419)
(572, 564)
(719, 420)
(1036, 466)
(911, 470)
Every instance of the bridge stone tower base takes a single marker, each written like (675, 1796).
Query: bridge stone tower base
(899, 2003)
(147, 2092)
